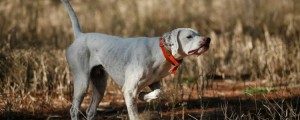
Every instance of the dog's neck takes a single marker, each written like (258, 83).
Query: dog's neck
(179, 56)
(174, 60)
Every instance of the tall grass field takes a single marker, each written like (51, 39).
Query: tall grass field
(251, 71)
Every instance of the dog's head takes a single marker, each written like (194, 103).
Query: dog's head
(186, 41)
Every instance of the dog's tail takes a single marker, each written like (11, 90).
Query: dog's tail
(74, 20)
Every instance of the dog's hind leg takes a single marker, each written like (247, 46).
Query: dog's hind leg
(98, 82)
(80, 86)
(78, 64)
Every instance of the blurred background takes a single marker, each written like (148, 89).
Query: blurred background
(254, 55)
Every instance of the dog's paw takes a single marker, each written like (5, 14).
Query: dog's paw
(148, 97)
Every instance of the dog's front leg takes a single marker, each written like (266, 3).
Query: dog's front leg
(129, 92)
(154, 94)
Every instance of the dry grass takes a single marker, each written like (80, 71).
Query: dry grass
(252, 40)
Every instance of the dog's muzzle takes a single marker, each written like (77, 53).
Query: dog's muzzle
(204, 46)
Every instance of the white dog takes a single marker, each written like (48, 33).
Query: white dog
(133, 63)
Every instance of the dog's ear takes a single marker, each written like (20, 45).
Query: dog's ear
(171, 41)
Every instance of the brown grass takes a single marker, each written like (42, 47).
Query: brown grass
(252, 40)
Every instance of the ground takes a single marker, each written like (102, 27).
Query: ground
(220, 99)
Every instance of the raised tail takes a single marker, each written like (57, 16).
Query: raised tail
(74, 20)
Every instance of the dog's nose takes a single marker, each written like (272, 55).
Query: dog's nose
(207, 39)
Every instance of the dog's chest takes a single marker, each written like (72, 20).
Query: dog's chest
(154, 75)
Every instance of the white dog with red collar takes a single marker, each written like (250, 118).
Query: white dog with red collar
(133, 63)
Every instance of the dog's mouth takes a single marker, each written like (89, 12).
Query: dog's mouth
(198, 51)
(203, 47)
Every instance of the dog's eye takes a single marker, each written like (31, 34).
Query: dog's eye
(189, 37)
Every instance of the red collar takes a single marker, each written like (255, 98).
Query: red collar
(168, 55)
